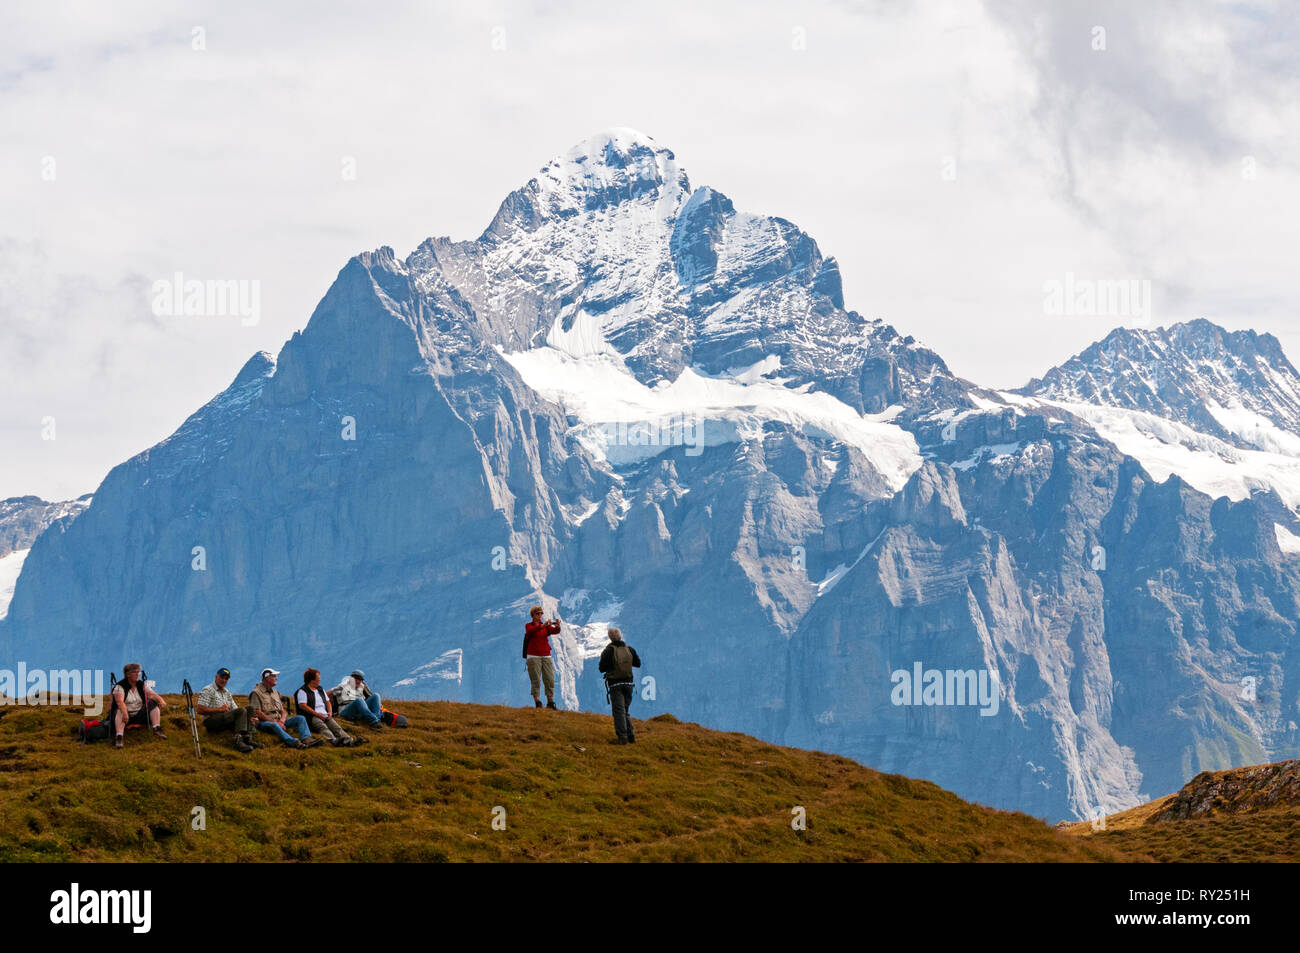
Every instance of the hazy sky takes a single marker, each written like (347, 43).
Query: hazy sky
(953, 157)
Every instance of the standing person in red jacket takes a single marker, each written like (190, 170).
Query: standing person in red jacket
(537, 652)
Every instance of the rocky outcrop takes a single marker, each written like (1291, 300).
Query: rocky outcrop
(1233, 792)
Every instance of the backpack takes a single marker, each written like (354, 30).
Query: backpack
(392, 719)
(622, 670)
(92, 729)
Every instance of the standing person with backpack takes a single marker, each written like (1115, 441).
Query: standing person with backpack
(617, 662)
(135, 703)
(537, 655)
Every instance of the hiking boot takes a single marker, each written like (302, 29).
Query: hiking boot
(360, 740)
(537, 703)
(159, 733)
(550, 703)
(296, 745)
(252, 740)
(242, 745)
(618, 741)
(631, 739)
(378, 725)
(117, 742)
(311, 742)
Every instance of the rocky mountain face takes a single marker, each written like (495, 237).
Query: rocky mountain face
(636, 405)
(23, 518)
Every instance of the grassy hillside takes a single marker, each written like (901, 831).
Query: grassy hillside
(427, 793)
(1236, 816)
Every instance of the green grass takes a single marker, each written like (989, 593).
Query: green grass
(428, 793)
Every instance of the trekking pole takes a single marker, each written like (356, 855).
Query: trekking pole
(112, 707)
(142, 686)
(189, 707)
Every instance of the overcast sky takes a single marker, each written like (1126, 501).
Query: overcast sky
(953, 158)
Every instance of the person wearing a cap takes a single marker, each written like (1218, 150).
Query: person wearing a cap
(357, 702)
(268, 713)
(221, 713)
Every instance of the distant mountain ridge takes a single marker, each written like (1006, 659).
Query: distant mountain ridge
(1217, 382)
(23, 518)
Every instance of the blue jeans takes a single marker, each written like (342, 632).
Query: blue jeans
(362, 709)
(298, 723)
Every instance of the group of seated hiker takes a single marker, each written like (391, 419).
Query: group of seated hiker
(313, 722)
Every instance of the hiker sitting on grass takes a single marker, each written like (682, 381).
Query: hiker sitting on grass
(617, 662)
(135, 703)
(537, 654)
(313, 703)
(221, 713)
(268, 713)
(357, 702)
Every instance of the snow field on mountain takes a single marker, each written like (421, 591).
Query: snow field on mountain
(1165, 447)
(10, 567)
(1287, 541)
(623, 420)
(1255, 429)
(447, 667)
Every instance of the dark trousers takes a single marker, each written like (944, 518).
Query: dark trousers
(240, 720)
(140, 718)
(620, 699)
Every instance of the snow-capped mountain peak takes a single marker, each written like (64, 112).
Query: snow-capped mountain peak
(1237, 386)
(617, 153)
(609, 249)
(1221, 409)
(616, 166)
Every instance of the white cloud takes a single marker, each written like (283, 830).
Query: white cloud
(225, 163)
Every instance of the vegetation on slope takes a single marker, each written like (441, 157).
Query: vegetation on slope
(428, 793)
